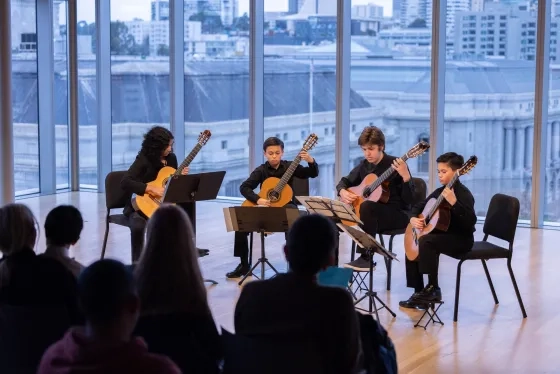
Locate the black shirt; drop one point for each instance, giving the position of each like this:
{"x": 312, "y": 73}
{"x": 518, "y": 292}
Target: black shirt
{"x": 463, "y": 217}
{"x": 139, "y": 174}
{"x": 265, "y": 171}
{"x": 401, "y": 194}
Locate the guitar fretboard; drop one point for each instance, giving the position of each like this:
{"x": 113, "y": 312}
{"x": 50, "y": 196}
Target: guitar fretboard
{"x": 383, "y": 177}
{"x": 440, "y": 198}
{"x": 288, "y": 174}
{"x": 187, "y": 161}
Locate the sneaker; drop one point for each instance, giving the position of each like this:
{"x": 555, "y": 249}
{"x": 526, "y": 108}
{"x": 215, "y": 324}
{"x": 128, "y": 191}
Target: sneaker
{"x": 412, "y": 303}
{"x": 428, "y": 294}
{"x": 362, "y": 263}
{"x": 239, "y": 271}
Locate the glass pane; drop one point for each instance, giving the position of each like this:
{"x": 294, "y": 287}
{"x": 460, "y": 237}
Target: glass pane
{"x": 217, "y": 87}
{"x": 87, "y": 94}
{"x": 139, "y": 74}
{"x": 24, "y": 96}
{"x": 390, "y": 81}
{"x": 489, "y": 98}
{"x": 60, "y": 48}
{"x": 300, "y": 83}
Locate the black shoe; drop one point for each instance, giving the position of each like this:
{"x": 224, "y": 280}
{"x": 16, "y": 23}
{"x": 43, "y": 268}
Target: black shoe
{"x": 239, "y": 271}
{"x": 412, "y": 303}
{"x": 362, "y": 263}
{"x": 203, "y": 252}
{"x": 428, "y": 294}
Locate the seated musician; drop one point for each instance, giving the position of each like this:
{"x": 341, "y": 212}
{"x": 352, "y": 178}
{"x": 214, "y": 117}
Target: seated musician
{"x": 274, "y": 167}
{"x": 156, "y": 152}
{"x": 458, "y": 238}
{"x": 378, "y": 216}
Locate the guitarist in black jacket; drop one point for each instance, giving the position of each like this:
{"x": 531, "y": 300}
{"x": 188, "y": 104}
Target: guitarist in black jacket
{"x": 274, "y": 167}
{"x": 156, "y": 152}
{"x": 458, "y": 238}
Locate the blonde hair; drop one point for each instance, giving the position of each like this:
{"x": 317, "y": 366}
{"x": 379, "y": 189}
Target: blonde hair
{"x": 18, "y": 229}
{"x": 168, "y": 276}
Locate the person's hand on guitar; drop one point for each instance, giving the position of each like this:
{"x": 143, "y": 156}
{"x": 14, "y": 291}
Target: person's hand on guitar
{"x": 400, "y": 166}
{"x": 306, "y": 156}
{"x": 185, "y": 171}
{"x": 347, "y": 197}
{"x": 449, "y": 195}
{"x": 418, "y": 223}
{"x": 155, "y": 191}
{"x": 263, "y": 202}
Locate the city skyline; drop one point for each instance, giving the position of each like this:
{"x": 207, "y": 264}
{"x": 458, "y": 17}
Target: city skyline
{"x": 128, "y": 10}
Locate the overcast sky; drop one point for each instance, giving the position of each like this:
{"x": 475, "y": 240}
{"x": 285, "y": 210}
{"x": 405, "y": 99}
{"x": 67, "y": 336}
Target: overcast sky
{"x": 129, "y": 9}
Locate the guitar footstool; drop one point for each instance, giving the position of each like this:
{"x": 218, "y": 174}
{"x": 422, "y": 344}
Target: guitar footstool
{"x": 431, "y": 311}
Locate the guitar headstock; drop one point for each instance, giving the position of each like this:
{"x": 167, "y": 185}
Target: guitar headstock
{"x": 310, "y": 142}
{"x": 468, "y": 166}
{"x": 418, "y": 149}
{"x": 204, "y": 137}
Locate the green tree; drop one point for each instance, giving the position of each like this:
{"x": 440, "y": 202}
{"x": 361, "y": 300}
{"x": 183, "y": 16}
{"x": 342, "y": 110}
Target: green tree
{"x": 122, "y": 43}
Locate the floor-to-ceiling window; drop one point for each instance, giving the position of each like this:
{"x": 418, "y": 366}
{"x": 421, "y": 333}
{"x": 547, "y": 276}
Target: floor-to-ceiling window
{"x": 25, "y": 96}
{"x": 490, "y": 96}
{"x": 60, "y": 53}
{"x": 140, "y": 81}
{"x": 216, "y": 50}
{"x": 390, "y": 80}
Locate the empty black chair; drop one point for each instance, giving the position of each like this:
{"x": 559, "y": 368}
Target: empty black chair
{"x": 115, "y": 198}
{"x": 420, "y": 193}
{"x": 501, "y": 223}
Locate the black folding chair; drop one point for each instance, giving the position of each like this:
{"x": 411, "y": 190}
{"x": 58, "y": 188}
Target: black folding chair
{"x": 115, "y": 198}
{"x": 420, "y": 193}
{"x": 501, "y": 223}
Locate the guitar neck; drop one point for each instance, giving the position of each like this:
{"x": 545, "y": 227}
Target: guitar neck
{"x": 440, "y": 197}
{"x": 288, "y": 174}
{"x": 187, "y": 161}
{"x": 386, "y": 175}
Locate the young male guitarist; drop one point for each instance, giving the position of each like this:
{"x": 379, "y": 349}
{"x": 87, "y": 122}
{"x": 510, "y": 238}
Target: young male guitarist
{"x": 378, "y": 216}
{"x": 457, "y": 239}
{"x": 273, "y": 167}
{"x": 156, "y": 152}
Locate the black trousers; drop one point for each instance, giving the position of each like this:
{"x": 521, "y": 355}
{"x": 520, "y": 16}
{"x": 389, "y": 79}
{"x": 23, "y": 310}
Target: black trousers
{"x": 378, "y": 217}
{"x": 137, "y": 224}
{"x": 241, "y": 242}
{"x": 430, "y": 247}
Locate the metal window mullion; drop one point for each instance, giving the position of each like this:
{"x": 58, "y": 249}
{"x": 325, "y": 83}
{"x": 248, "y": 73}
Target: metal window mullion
{"x": 256, "y": 83}
{"x": 45, "y": 76}
{"x": 73, "y": 129}
{"x": 343, "y": 62}
{"x": 177, "y": 74}
{"x": 103, "y": 76}
{"x": 6, "y": 120}
{"x": 437, "y": 88}
{"x": 542, "y": 70}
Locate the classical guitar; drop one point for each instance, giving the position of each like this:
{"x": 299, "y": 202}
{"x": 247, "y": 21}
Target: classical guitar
{"x": 374, "y": 188}
{"x": 277, "y": 190}
{"x": 147, "y": 203}
{"x": 435, "y": 214}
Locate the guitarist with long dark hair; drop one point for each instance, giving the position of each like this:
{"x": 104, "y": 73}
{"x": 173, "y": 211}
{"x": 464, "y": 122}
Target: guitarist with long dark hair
{"x": 378, "y": 216}
{"x": 156, "y": 152}
{"x": 458, "y": 203}
{"x": 273, "y": 167}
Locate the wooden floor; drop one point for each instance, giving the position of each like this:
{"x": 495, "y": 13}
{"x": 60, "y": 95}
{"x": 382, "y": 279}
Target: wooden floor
{"x": 486, "y": 339}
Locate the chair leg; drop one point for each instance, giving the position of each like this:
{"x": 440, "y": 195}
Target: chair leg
{"x": 389, "y": 262}
{"x": 516, "y": 289}
{"x": 490, "y": 282}
{"x": 250, "y": 250}
{"x": 105, "y": 238}
{"x": 457, "y": 287}
{"x": 353, "y": 251}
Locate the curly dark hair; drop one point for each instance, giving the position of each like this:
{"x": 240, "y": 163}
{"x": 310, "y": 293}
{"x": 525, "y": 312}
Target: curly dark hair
{"x": 155, "y": 142}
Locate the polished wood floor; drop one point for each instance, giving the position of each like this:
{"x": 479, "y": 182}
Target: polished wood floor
{"x": 486, "y": 339}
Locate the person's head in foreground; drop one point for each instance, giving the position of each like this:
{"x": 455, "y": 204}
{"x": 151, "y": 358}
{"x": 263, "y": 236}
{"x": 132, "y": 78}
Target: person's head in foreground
{"x": 310, "y": 246}
{"x": 109, "y": 301}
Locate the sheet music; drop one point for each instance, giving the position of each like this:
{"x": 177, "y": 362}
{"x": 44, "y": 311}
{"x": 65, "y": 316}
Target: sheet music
{"x": 329, "y": 208}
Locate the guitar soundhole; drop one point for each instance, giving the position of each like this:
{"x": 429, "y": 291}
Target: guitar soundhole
{"x": 366, "y": 192}
{"x": 273, "y": 196}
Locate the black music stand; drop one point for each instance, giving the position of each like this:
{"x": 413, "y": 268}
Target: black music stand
{"x": 262, "y": 220}
{"x": 371, "y": 245}
{"x": 333, "y": 209}
{"x": 191, "y": 188}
